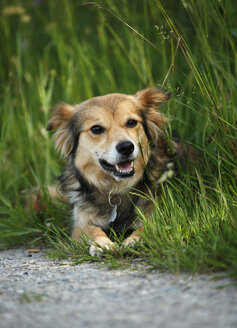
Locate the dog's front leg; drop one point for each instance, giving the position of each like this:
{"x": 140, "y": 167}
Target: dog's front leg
{"x": 85, "y": 228}
{"x": 96, "y": 237}
{"x": 135, "y": 237}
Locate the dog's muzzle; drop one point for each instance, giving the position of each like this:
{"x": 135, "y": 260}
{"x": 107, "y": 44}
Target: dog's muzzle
{"x": 124, "y": 168}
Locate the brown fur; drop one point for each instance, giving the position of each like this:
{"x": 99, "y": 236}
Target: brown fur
{"x": 91, "y": 179}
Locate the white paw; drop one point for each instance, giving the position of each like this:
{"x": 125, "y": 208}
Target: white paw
{"x": 97, "y": 250}
{"x": 130, "y": 242}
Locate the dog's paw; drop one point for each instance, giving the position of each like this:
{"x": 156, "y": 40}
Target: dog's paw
{"x": 130, "y": 242}
{"x": 97, "y": 250}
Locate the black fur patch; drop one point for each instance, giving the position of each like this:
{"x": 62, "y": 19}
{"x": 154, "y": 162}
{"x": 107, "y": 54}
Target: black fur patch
{"x": 145, "y": 127}
{"x": 125, "y": 217}
{"x": 75, "y": 136}
{"x": 175, "y": 136}
{"x": 85, "y": 188}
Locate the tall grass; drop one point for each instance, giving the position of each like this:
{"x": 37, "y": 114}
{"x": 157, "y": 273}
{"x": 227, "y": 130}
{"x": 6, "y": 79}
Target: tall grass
{"x": 67, "y": 51}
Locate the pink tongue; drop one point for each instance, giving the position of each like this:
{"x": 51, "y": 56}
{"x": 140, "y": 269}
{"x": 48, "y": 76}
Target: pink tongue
{"x": 125, "y": 166}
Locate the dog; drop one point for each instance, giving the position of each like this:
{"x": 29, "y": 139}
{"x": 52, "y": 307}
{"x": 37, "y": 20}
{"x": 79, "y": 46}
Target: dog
{"x": 113, "y": 145}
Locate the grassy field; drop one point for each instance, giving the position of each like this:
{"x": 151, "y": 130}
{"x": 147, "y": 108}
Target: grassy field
{"x": 64, "y": 50}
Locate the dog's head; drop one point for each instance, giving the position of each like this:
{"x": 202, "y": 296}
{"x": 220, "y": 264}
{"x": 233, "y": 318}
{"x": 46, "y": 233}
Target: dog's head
{"x": 110, "y": 137}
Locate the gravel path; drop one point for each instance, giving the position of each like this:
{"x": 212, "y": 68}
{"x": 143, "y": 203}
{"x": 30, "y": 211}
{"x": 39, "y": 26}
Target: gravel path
{"x": 37, "y": 292}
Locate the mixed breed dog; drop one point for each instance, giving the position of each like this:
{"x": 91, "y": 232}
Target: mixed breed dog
{"x": 115, "y": 148}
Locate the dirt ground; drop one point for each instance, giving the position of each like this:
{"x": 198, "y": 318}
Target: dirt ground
{"x": 37, "y": 292}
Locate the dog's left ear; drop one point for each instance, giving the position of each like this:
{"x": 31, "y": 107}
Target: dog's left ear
{"x": 149, "y": 99}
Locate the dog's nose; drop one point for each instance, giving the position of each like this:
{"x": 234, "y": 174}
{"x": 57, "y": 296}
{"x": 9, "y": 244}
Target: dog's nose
{"x": 125, "y": 148}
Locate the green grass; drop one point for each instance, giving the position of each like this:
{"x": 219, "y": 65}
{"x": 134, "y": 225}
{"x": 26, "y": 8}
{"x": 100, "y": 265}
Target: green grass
{"x": 63, "y": 50}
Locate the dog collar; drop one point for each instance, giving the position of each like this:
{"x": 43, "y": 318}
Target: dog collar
{"x": 114, "y": 205}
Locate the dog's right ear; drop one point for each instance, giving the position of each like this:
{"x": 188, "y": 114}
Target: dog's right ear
{"x": 61, "y": 118}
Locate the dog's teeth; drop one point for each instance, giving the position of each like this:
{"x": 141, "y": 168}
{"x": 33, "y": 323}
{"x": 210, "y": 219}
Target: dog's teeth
{"x": 118, "y": 169}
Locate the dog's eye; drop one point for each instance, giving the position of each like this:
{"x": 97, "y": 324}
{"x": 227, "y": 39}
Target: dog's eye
{"x": 131, "y": 123}
{"x": 97, "y": 129}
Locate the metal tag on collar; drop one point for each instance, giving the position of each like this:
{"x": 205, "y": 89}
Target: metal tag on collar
{"x": 113, "y": 213}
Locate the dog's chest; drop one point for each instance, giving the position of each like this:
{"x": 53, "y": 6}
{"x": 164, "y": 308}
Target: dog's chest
{"x": 122, "y": 215}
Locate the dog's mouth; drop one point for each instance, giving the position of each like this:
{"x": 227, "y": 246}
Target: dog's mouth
{"x": 123, "y": 169}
